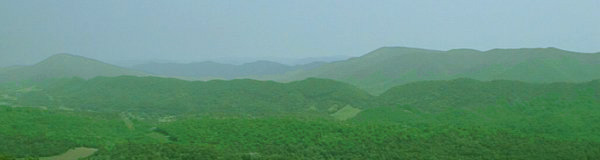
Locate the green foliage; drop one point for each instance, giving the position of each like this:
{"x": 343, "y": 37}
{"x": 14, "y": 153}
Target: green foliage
{"x": 557, "y": 110}
{"x": 272, "y": 138}
{"x": 5, "y": 157}
{"x": 171, "y": 96}
{"x": 32, "y": 132}
{"x": 458, "y": 119}
{"x": 127, "y": 151}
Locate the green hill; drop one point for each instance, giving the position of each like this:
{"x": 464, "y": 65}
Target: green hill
{"x": 387, "y": 67}
{"x": 167, "y": 95}
{"x": 556, "y": 110}
{"x": 61, "y": 66}
{"x": 214, "y": 70}
{"x": 466, "y": 93}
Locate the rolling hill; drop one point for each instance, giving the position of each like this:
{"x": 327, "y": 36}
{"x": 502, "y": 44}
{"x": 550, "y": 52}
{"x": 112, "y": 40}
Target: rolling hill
{"x": 173, "y": 96}
{"x": 387, "y": 67}
{"x": 63, "y": 66}
{"x": 468, "y": 93}
{"x": 565, "y": 110}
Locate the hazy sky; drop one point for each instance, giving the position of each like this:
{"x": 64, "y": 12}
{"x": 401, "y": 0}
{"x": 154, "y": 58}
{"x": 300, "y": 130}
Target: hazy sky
{"x": 195, "y": 30}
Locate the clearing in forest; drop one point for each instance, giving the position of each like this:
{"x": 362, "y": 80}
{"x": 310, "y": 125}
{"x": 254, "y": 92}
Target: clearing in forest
{"x": 346, "y": 113}
{"x": 73, "y": 154}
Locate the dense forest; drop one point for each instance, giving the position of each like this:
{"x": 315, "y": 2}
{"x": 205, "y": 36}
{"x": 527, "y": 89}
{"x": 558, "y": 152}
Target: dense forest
{"x": 172, "y": 96}
{"x": 270, "y": 138}
{"x": 161, "y": 118}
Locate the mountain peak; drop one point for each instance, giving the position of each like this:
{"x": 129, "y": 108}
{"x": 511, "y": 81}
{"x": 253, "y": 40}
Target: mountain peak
{"x": 63, "y": 54}
{"x": 65, "y": 65}
{"x": 396, "y": 51}
{"x": 67, "y": 56}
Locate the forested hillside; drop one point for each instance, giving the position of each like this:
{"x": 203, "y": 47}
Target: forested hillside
{"x": 173, "y": 96}
{"x": 556, "y": 110}
{"x": 388, "y": 67}
{"x": 35, "y": 132}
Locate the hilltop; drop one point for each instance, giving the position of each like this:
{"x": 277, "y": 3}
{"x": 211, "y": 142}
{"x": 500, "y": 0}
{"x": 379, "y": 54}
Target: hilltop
{"x": 63, "y": 66}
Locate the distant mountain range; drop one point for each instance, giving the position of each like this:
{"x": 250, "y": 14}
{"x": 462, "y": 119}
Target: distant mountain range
{"x": 374, "y": 72}
{"x": 387, "y": 67}
{"x": 67, "y": 65}
{"x": 214, "y": 70}
{"x": 282, "y": 60}
{"x": 234, "y": 60}
{"x": 64, "y": 65}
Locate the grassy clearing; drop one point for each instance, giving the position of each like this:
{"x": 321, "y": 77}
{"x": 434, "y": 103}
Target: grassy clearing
{"x": 159, "y": 137}
{"x": 73, "y": 154}
{"x": 346, "y": 113}
{"x": 127, "y": 121}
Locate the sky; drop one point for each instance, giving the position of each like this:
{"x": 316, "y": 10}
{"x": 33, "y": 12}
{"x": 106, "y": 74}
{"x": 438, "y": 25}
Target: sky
{"x": 196, "y": 30}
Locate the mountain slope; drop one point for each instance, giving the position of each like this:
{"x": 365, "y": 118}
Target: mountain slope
{"x": 64, "y": 65}
{"x": 387, "y": 67}
{"x": 557, "y": 110}
{"x": 468, "y": 93}
{"x": 222, "y": 71}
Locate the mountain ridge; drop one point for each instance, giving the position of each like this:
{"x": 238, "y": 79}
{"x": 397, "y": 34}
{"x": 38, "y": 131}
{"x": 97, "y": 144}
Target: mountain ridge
{"x": 386, "y": 67}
